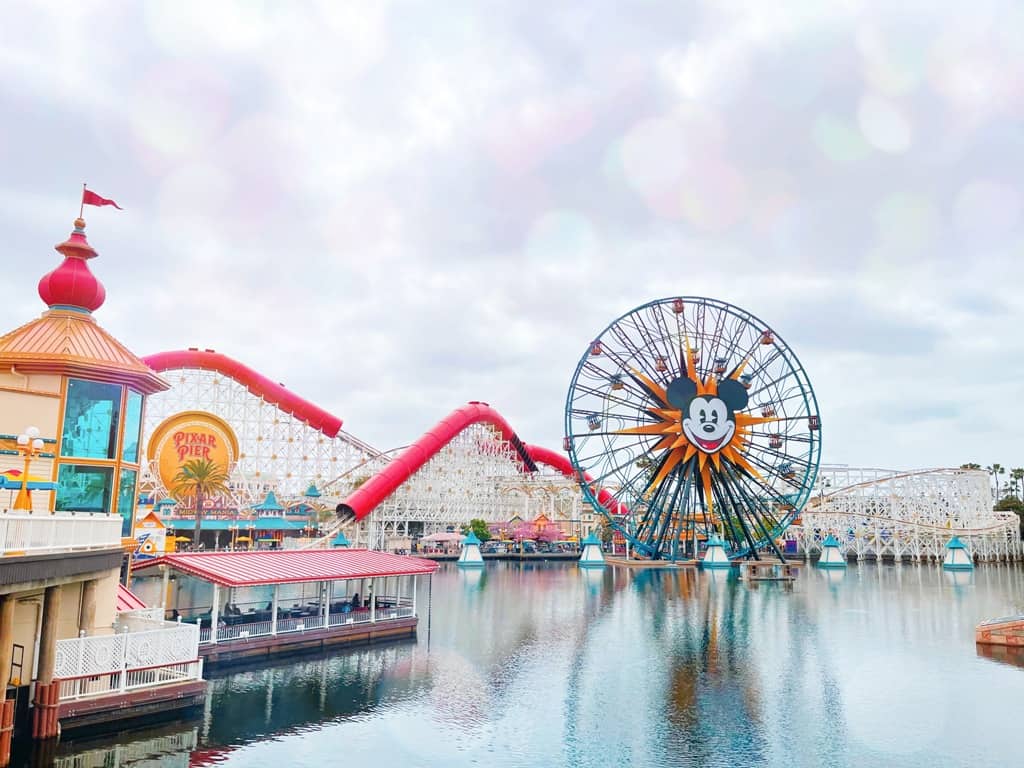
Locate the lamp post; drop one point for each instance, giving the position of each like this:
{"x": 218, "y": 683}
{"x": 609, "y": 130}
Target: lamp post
{"x": 30, "y": 444}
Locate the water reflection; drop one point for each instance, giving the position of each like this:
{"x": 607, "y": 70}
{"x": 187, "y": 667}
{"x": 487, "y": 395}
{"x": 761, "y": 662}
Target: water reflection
{"x": 554, "y": 665}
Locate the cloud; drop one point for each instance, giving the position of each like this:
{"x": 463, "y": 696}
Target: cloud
{"x": 397, "y": 209}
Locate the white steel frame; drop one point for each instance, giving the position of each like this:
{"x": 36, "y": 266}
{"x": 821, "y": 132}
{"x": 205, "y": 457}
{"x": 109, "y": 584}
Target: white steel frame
{"x": 277, "y": 451}
{"x": 879, "y": 513}
{"x": 476, "y": 475}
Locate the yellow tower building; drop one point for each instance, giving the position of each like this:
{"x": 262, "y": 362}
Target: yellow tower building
{"x": 71, "y": 407}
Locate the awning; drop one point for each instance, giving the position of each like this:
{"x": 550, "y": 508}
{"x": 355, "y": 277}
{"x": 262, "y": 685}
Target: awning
{"x": 248, "y": 569}
{"x": 126, "y": 599}
{"x": 439, "y": 538}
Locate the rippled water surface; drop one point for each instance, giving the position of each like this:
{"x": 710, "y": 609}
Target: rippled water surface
{"x": 549, "y": 665}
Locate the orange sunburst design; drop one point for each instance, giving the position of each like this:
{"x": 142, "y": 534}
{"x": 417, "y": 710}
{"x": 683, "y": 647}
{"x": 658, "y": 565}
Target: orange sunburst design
{"x": 674, "y": 439}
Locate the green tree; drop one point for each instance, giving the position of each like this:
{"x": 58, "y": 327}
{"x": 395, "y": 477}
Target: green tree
{"x": 199, "y": 479}
{"x": 970, "y": 466}
{"x": 1017, "y": 476}
{"x": 1012, "y": 504}
{"x": 479, "y": 527}
{"x": 996, "y": 470}
{"x": 606, "y": 532}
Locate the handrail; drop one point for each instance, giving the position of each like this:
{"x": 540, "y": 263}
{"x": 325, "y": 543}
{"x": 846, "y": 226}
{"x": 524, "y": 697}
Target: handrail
{"x": 893, "y": 521}
{"x": 893, "y": 475}
{"x": 25, "y": 533}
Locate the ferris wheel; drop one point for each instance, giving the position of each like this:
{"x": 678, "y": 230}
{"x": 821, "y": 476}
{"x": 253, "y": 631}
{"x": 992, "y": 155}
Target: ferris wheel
{"x": 687, "y": 417}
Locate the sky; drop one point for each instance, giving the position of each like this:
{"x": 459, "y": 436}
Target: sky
{"x": 394, "y": 208}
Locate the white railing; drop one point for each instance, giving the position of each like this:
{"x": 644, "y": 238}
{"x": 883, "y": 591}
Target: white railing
{"x": 242, "y": 631}
{"x": 246, "y": 631}
{"x": 145, "y": 614}
{"x": 32, "y": 534}
{"x": 121, "y": 681}
{"x": 301, "y": 624}
{"x": 126, "y": 651}
{"x": 350, "y": 617}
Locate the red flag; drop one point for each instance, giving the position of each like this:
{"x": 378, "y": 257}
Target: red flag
{"x": 91, "y": 198}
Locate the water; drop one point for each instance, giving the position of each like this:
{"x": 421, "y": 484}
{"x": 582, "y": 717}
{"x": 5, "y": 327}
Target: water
{"x": 554, "y": 666}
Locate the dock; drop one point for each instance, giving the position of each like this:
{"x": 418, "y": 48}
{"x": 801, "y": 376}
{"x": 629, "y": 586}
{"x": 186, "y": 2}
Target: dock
{"x": 1005, "y": 631}
{"x": 769, "y": 570}
{"x": 253, "y": 605}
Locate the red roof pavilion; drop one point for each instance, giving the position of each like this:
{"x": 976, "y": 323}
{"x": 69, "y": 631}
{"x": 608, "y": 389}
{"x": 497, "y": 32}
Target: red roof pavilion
{"x": 251, "y": 569}
{"x": 127, "y": 600}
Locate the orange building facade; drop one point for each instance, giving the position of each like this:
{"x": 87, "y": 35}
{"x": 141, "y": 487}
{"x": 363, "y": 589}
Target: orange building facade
{"x": 72, "y": 399}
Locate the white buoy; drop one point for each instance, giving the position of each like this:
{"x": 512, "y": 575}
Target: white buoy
{"x": 591, "y": 556}
{"x": 715, "y": 556}
{"x": 831, "y": 554}
{"x": 957, "y": 556}
{"x": 470, "y": 556}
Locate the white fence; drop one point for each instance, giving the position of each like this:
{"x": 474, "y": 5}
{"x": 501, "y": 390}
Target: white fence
{"x": 400, "y": 608}
{"x": 94, "y": 666}
{"x": 32, "y": 534}
{"x": 88, "y": 686}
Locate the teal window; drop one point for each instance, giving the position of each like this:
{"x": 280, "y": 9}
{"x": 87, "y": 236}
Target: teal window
{"x": 90, "y": 420}
{"x": 132, "y": 426}
{"x": 84, "y": 489}
{"x": 126, "y": 500}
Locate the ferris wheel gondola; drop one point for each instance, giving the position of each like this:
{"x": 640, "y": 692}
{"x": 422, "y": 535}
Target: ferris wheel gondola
{"x": 689, "y": 416}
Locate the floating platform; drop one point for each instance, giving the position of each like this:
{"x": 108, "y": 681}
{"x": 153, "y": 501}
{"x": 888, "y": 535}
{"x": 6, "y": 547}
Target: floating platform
{"x": 769, "y": 570}
{"x": 91, "y": 713}
{"x": 1008, "y": 630}
{"x": 249, "y": 649}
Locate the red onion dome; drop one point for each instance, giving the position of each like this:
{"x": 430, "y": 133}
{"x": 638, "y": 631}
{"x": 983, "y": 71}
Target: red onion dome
{"x": 72, "y": 284}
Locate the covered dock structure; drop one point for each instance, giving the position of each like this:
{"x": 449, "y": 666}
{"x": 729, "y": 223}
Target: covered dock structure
{"x": 264, "y": 603}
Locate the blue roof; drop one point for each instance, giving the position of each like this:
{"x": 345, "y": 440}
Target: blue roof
{"x": 830, "y": 541}
{"x": 32, "y": 485}
{"x": 340, "y": 541}
{"x": 471, "y": 539}
{"x": 591, "y": 539}
{"x": 955, "y": 543}
{"x": 168, "y": 502}
{"x": 269, "y": 504}
{"x": 715, "y": 541}
{"x": 312, "y": 492}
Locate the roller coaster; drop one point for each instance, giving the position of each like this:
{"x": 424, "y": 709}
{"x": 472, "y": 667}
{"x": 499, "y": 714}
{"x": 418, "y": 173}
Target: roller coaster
{"x": 881, "y": 514}
{"x": 472, "y": 464}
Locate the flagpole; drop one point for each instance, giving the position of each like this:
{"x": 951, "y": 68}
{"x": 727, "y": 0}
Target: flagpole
{"x": 81, "y": 208}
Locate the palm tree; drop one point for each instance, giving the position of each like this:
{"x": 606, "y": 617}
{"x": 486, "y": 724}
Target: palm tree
{"x": 1017, "y": 475}
{"x": 996, "y": 470}
{"x": 199, "y": 478}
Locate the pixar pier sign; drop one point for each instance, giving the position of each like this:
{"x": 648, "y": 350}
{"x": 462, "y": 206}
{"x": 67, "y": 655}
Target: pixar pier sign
{"x": 195, "y": 445}
{"x": 189, "y": 436}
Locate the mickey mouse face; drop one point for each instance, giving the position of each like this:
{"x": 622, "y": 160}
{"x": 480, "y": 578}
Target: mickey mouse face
{"x": 709, "y": 422}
